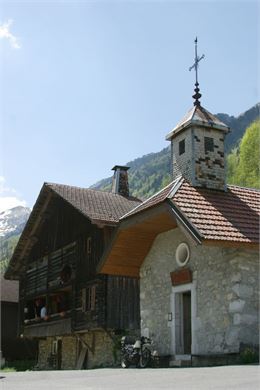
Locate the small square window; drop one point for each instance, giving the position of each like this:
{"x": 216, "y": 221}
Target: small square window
{"x": 182, "y": 147}
{"x": 209, "y": 144}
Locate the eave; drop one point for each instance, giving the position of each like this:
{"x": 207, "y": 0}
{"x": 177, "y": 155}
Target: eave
{"x": 133, "y": 240}
{"x": 173, "y": 133}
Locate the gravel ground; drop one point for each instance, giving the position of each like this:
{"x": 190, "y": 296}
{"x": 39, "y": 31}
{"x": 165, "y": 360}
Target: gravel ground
{"x": 224, "y": 378}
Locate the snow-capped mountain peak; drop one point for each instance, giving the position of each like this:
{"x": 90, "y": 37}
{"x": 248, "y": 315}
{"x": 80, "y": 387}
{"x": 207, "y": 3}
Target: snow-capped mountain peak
{"x": 12, "y": 221}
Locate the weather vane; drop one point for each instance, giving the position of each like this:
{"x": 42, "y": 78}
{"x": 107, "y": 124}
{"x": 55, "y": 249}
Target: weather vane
{"x": 195, "y": 66}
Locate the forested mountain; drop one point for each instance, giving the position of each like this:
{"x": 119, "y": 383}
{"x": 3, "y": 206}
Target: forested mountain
{"x": 150, "y": 173}
{"x": 238, "y": 125}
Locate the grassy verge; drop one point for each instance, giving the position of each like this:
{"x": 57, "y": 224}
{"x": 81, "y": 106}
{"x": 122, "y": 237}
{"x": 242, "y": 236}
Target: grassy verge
{"x": 18, "y": 365}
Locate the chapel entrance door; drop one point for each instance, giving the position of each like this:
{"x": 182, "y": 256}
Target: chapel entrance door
{"x": 182, "y": 323}
{"x": 187, "y": 322}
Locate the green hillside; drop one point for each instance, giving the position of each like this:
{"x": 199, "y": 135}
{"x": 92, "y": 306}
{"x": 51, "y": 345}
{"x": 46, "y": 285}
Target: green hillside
{"x": 7, "y": 246}
{"x": 243, "y": 161}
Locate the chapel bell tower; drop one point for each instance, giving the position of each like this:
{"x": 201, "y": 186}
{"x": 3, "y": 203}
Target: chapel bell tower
{"x": 197, "y": 144}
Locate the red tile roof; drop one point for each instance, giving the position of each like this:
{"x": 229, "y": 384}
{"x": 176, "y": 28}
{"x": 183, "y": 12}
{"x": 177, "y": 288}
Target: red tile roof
{"x": 157, "y": 198}
{"x": 216, "y": 215}
{"x": 95, "y": 204}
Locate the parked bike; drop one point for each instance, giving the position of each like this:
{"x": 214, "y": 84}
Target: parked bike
{"x": 136, "y": 352}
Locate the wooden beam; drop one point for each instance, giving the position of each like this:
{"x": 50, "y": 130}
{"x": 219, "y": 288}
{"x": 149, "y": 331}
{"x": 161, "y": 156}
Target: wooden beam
{"x": 36, "y": 223}
{"x": 121, "y": 270}
{"x": 133, "y": 240}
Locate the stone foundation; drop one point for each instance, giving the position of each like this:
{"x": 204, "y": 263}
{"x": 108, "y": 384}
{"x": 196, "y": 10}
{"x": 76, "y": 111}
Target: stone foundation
{"x": 101, "y": 352}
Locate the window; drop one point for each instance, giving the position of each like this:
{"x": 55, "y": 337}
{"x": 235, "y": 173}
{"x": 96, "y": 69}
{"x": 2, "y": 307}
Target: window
{"x": 54, "y": 347}
{"x": 182, "y": 254}
{"x": 181, "y": 147}
{"x": 88, "y": 245}
{"x": 208, "y": 144}
{"x": 89, "y": 298}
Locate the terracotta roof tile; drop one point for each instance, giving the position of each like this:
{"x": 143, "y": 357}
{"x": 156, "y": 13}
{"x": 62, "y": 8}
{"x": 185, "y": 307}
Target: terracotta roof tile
{"x": 217, "y": 215}
{"x": 157, "y": 198}
{"x": 229, "y": 216}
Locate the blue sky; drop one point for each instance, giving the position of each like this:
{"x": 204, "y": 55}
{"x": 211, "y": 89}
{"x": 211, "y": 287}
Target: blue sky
{"x": 86, "y": 85}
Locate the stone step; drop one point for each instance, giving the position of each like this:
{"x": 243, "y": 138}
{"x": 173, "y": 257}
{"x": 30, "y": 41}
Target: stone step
{"x": 180, "y": 363}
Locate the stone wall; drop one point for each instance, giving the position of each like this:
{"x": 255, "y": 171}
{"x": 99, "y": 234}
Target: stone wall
{"x": 102, "y": 351}
{"x": 209, "y": 166}
{"x": 200, "y": 168}
{"x": 225, "y": 281}
{"x": 69, "y": 353}
{"x": 44, "y": 352}
{"x": 102, "y": 355}
{"x": 182, "y": 164}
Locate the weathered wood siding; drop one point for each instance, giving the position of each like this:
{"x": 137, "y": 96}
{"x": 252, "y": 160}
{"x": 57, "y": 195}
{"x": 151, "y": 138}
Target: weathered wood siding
{"x": 67, "y": 237}
{"x": 95, "y": 318}
{"x": 123, "y": 309}
{"x": 62, "y": 226}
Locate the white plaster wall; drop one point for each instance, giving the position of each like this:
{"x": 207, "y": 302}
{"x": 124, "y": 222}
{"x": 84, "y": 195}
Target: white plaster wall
{"x": 227, "y": 294}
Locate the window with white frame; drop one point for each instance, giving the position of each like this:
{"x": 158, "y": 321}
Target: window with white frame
{"x": 89, "y": 298}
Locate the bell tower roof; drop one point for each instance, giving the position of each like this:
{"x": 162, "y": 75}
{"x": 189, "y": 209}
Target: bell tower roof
{"x": 197, "y": 116}
{"x": 197, "y": 144}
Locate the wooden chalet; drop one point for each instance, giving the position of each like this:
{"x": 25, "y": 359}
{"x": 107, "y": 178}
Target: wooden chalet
{"x": 64, "y": 303}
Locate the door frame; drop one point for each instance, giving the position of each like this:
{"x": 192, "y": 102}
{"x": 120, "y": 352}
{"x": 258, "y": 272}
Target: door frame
{"x": 177, "y": 290}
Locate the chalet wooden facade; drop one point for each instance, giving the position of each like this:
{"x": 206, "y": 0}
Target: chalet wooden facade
{"x": 64, "y": 303}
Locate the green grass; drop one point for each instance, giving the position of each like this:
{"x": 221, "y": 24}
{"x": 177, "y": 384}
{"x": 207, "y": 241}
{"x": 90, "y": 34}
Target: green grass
{"x": 8, "y": 369}
{"x": 19, "y": 365}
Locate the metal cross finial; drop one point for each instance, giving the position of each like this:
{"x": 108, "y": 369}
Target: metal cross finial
{"x": 197, "y": 95}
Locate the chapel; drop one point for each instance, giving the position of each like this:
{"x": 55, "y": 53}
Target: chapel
{"x": 194, "y": 245}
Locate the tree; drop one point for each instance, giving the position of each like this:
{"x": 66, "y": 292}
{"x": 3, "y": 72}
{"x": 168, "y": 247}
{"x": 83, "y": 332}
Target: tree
{"x": 243, "y": 164}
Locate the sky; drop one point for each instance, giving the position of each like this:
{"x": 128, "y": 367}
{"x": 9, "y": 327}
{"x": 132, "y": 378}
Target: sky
{"x": 86, "y": 85}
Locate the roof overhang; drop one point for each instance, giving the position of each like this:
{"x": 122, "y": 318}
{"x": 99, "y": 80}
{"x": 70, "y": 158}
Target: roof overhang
{"x": 29, "y": 235}
{"x": 210, "y": 125}
{"x": 233, "y": 244}
{"x": 133, "y": 239}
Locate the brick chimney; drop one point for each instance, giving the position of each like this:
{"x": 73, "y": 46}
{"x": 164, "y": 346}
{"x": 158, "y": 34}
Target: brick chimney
{"x": 120, "y": 180}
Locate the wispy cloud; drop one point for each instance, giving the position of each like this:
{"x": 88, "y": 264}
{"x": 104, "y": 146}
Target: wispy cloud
{"x": 8, "y": 196}
{"x": 6, "y": 34}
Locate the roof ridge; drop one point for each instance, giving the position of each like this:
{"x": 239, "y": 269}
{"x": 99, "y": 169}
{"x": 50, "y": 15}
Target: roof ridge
{"x": 130, "y": 197}
{"x": 72, "y": 186}
{"x": 178, "y": 182}
{"x": 152, "y": 196}
{"x": 244, "y": 188}
{"x": 193, "y": 110}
